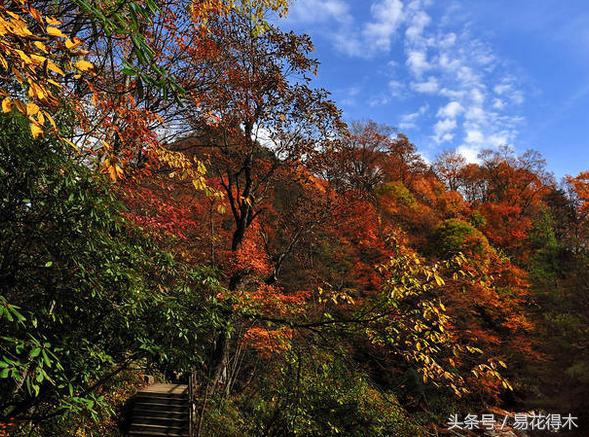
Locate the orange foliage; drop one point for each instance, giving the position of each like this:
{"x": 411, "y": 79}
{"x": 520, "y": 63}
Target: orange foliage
{"x": 267, "y": 342}
{"x": 250, "y": 257}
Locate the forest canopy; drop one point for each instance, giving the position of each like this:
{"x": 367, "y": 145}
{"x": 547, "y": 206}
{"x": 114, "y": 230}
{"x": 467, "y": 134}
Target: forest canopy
{"x": 179, "y": 200}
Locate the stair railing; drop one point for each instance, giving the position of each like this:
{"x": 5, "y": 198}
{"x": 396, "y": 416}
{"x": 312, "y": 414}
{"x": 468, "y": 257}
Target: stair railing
{"x": 192, "y": 392}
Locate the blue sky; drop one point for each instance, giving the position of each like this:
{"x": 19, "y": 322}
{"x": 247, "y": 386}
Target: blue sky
{"x": 460, "y": 74}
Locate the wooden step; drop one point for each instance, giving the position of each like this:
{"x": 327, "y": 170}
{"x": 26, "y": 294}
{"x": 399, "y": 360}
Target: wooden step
{"x": 161, "y": 410}
{"x": 166, "y": 394}
{"x": 156, "y": 433}
{"x": 137, "y": 429}
{"x": 166, "y": 388}
{"x": 153, "y": 410}
{"x": 160, "y": 419}
{"x": 163, "y": 400}
{"x": 154, "y": 406}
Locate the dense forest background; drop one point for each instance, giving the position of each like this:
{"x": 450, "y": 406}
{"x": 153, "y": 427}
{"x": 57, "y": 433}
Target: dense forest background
{"x": 177, "y": 198}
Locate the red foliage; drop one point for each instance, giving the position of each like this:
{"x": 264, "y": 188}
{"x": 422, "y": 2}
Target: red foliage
{"x": 159, "y": 215}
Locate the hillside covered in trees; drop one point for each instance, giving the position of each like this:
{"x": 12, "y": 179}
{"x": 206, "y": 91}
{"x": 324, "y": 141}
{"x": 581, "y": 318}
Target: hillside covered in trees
{"x": 178, "y": 199}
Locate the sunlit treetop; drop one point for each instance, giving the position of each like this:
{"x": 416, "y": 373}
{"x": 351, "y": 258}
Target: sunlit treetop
{"x": 35, "y": 56}
{"x": 202, "y": 10}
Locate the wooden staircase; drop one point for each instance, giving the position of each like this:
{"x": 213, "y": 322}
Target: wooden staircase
{"x": 161, "y": 410}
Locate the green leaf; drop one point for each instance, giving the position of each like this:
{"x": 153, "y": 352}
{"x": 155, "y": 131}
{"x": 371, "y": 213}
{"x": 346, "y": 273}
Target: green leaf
{"x": 46, "y": 359}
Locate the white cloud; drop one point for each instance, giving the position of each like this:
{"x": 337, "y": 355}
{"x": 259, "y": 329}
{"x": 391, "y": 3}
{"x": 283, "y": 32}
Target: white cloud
{"x": 443, "y": 130}
{"x": 474, "y": 136}
{"x": 429, "y": 86}
{"x": 477, "y": 96}
{"x": 498, "y": 104}
{"x": 451, "y": 110}
{"x": 387, "y": 15}
{"x": 448, "y": 40}
{"x": 478, "y": 92}
{"x": 348, "y": 96}
{"x": 470, "y": 153}
{"x": 350, "y": 45}
{"x": 418, "y": 24}
{"x": 397, "y": 88}
{"x": 337, "y": 22}
{"x": 507, "y": 90}
{"x": 417, "y": 62}
{"x": 319, "y": 11}
{"x": 408, "y": 121}
{"x": 379, "y": 100}
{"x": 447, "y": 63}
{"x": 501, "y": 88}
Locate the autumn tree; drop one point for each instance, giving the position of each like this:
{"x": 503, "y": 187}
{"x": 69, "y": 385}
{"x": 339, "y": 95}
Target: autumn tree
{"x": 448, "y": 167}
{"x": 357, "y": 160}
{"x": 258, "y": 116}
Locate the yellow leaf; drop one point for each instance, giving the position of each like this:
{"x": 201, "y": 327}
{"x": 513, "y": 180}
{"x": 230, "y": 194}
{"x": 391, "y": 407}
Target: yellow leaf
{"x": 53, "y": 67}
{"x": 36, "y": 130}
{"x": 52, "y": 82}
{"x": 439, "y": 280}
{"x": 24, "y": 56}
{"x": 37, "y": 59}
{"x": 41, "y": 46}
{"x": 20, "y": 28}
{"x": 17, "y": 75}
{"x": 51, "y": 120}
{"x": 69, "y": 44}
{"x": 112, "y": 172}
{"x": 83, "y": 65}
{"x": 54, "y": 31}
{"x": 52, "y": 21}
{"x": 32, "y": 109}
{"x": 37, "y": 91}
{"x": 65, "y": 140}
{"x": 6, "y": 105}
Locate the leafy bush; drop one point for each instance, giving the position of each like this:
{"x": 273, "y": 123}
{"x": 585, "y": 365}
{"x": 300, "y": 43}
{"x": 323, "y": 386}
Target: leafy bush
{"x": 315, "y": 393}
{"x": 84, "y": 293}
{"x": 454, "y": 236}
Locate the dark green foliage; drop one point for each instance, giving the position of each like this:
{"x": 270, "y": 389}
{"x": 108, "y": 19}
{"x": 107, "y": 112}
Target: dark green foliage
{"x": 456, "y": 236}
{"x": 83, "y": 293}
{"x": 559, "y": 276}
{"x": 314, "y": 393}
{"x": 398, "y": 192}
{"x": 544, "y": 263}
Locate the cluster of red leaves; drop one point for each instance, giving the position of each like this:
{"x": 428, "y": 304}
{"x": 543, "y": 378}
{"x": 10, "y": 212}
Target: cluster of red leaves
{"x": 158, "y": 214}
{"x": 580, "y": 185}
{"x": 268, "y": 342}
{"x": 250, "y": 257}
{"x": 128, "y": 141}
{"x": 272, "y": 301}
